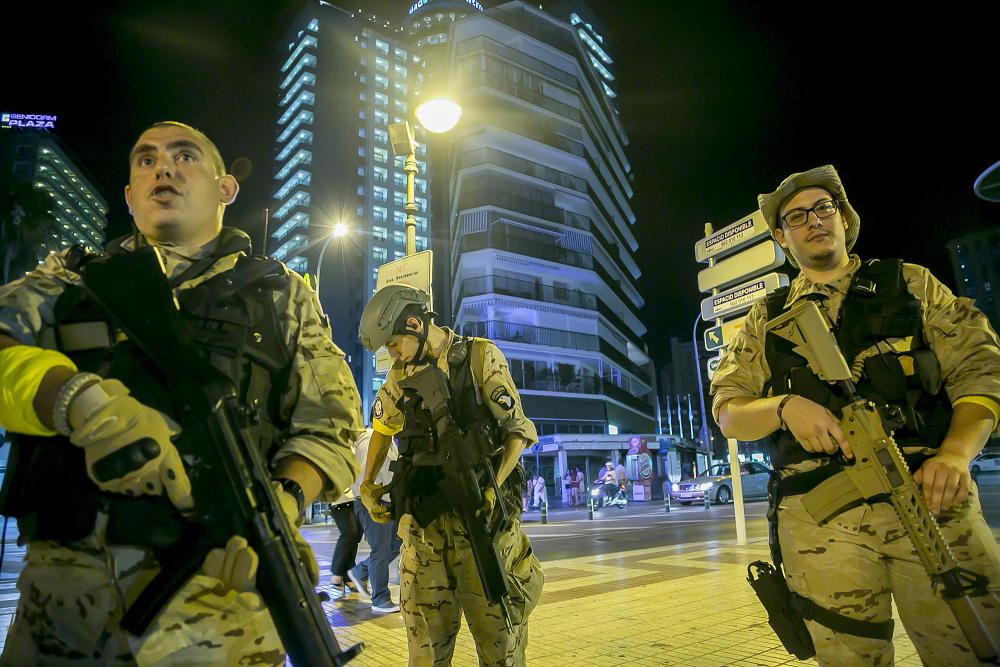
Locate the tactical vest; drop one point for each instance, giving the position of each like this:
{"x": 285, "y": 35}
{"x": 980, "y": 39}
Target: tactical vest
{"x": 877, "y": 307}
{"x": 232, "y": 322}
{"x": 415, "y": 489}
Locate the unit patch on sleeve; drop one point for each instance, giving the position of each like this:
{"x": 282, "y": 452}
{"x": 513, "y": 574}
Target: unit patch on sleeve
{"x": 502, "y": 397}
{"x": 377, "y": 408}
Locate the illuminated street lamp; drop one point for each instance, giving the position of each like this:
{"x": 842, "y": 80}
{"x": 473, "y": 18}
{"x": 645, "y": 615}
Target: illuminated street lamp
{"x": 338, "y": 231}
{"x": 437, "y": 115}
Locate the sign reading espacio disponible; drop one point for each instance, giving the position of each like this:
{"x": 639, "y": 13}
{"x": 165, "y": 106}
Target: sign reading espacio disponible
{"x": 25, "y": 120}
{"x": 420, "y": 3}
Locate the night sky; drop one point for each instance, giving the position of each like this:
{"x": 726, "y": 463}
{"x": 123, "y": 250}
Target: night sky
{"x": 721, "y": 100}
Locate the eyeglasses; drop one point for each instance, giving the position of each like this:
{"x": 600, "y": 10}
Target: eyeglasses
{"x": 822, "y": 209}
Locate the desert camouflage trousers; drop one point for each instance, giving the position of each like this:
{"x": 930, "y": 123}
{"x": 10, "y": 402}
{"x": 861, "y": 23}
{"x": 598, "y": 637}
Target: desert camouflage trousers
{"x": 439, "y": 581}
{"x": 862, "y": 558}
{"x": 72, "y": 601}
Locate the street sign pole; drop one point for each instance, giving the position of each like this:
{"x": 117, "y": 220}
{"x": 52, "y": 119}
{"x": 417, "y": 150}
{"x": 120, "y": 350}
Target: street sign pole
{"x": 752, "y": 259}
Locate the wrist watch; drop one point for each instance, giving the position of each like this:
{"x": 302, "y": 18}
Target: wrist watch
{"x": 292, "y": 487}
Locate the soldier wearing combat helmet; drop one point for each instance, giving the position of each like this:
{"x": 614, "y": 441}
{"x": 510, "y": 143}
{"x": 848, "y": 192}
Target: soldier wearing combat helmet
{"x": 438, "y": 575}
{"x": 924, "y": 356}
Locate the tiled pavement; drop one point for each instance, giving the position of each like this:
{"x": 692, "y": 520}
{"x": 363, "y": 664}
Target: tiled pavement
{"x": 673, "y": 605}
{"x": 686, "y": 605}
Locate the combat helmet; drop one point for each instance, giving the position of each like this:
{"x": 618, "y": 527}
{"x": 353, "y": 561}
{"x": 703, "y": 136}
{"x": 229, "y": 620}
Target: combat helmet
{"x": 383, "y": 318}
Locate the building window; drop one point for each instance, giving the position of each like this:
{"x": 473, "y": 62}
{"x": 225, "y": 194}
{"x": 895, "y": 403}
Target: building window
{"x": 381, "y": 136}
{"x": 381, "y": 47}
{"x": 381, "y": 99}
{"x": 400, "y": 237}
{"x": 379, "y": 174}
{"x": 382, "y": 65}
{"x": 398, "y": 254}
{"x": 400, "y": 55}
{"x": 361, "y": 132}
{"x": 381, "y": 155}
{"x": 380, "y": 234}
{"x": 421, "y": 243}
{"x": 380, "y": 194}
{"x": 379, "y": 255}
{"x": 361, "y": 171}
{"x": 379, "y": 213}
{"x": 381, "y": 118}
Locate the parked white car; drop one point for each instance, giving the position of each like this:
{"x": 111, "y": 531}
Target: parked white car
{"x": 986, "y": 462}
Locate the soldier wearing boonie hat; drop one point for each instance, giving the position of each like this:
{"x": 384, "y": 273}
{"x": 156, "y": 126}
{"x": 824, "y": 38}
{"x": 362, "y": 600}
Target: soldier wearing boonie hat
{"x": 914, "y": 346}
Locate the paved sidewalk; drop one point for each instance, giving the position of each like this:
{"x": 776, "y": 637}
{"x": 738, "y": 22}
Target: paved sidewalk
{"x": 684, "y": 605}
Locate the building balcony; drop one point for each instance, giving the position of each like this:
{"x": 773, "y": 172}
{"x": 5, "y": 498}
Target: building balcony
{"x": 526, "y": 289}
{"x": 523, "y": 93}
{"x": 523, "y": 242}
{"x": 613, "y": 391}
{"x": 609, "y": 350}
{"x": 532, "y": 335}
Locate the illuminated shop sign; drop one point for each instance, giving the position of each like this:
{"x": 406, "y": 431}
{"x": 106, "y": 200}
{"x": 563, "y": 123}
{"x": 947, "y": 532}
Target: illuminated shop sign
{"x": 37, "y": 120}
{"x": 420, "y": 3}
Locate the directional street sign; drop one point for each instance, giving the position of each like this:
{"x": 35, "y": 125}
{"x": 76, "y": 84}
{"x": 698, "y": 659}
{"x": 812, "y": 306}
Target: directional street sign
{"x": 728, "y": 239}
{"x": 756, "y": 259}
{"x": 738, "y": 299}
{"x": 722, "y": 335}
{"x": 713, "y": 365}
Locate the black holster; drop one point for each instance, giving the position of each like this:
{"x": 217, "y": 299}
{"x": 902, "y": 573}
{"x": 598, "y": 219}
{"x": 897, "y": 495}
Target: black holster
{"x": 772, "y": 591}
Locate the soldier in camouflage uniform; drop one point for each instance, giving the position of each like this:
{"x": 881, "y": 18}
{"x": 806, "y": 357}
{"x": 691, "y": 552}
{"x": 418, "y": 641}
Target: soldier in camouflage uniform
{"x": 914, "y": 346}
{"x": 438, "y": 576}
{"x": 89, "y": 553}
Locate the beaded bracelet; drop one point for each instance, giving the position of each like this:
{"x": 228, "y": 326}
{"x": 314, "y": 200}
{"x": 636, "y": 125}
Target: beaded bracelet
{"x": 781, "y": 406}
{"x": 69, "y": 391}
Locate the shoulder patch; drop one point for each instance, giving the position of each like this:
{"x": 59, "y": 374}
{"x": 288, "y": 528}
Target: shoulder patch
{"x": 502, "y": 397}
{"x": 377, "y": 408}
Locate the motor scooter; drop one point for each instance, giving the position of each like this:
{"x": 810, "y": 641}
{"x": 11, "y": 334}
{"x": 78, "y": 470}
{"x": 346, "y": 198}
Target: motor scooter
{"x": 601, "y": 500}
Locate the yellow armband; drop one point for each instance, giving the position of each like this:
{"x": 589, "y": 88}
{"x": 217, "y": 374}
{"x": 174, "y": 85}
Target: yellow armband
{"x": 22, "y": 368}
{"x": 384, "y": 429}
{"x": 985, "y": 401}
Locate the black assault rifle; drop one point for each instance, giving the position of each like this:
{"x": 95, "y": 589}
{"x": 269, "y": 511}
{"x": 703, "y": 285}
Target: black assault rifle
{"x": 879, "y": 472}
{"x": 465, "y": 459}
{"x": 230, "y": 482}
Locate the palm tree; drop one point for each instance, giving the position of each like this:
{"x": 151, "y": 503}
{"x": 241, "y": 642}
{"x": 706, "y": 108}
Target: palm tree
{"x": 26, "y": 226}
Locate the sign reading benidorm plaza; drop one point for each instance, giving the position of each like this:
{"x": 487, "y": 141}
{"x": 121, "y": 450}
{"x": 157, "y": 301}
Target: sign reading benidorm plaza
{"x": 26, "y": 120}
{"x": 420, "y": 3}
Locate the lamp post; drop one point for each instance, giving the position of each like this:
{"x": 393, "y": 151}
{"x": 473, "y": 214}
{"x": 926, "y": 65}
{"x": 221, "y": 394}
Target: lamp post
{"x": 701, "y": 392}
{"x": 339, "y": 230}
{"x": 436, "y": 115}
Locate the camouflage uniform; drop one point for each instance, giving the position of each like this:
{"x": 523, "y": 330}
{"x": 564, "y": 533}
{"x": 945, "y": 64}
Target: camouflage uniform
{"x": 438, "y": 576}
{"x": 866, "y": 545}
{"x": 73, "y": 595}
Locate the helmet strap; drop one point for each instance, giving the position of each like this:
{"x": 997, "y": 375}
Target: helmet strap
{"x": 422, "y": 337}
